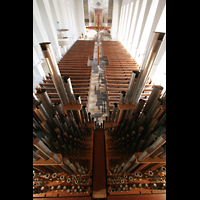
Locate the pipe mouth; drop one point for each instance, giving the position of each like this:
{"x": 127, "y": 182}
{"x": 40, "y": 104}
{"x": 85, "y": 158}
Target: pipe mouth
{"x": 56, "y": 103}
{"x": 158, "y": 86}
{"x": 41, "y": 91}
{"x": 47, "y": 176}
{"x": 54, "y": 175}
{"x": 150, "y": 173}
{"x": 130, "y": 178}
{"x": 140, "y": 175}
{"x": 161, "y": 36}
{"x": 136, "y": 73}
{"x": 136, "y": 174}
{"x": 43, "y": 45}
{"x": 163, "y": 169}
{"x": 65, "y": 78}
{"x": 77, "y": 96}
{"x": 124, "y": 93}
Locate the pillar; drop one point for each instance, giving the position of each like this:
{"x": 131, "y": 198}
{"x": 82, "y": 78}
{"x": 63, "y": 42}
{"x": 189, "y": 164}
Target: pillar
{"x": 115, "y": 18}
{"x": 121, "y": 22}
{"x": 80, "y": 16}
{"x": 147, "y": 29}
{"x": 150, "y": 26}
{"x": 136, "y": 11}
{"x": 138, "y": 29}
{"x": 38, "y": 25}
{"x": 47, "y": 18}
{"x": 127, "y": 8}
{"x": 38, "y": 72}
{"x": 128, "y": 23}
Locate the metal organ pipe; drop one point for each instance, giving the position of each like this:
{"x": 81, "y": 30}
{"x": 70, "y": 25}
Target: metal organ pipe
{"x": 41, "y": 146}
{"x": 136, "y": 132}
{"x": 44, "y": 97}
{"x": 54, "y": 157}
{"x": 134, "y": 77}
{"x": 114, "y": 112}
{"x": 122, "y": 97}
{"x": 149, "y": 58}
{"x": 155, "y": 94}
{"x": 69, "y": 90}
{"x": 54, "y": 70}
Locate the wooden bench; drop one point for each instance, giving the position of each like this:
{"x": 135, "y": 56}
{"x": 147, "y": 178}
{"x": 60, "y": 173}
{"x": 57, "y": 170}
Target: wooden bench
{"x": 74, "y": 64}
{"x": 119, "y": 70}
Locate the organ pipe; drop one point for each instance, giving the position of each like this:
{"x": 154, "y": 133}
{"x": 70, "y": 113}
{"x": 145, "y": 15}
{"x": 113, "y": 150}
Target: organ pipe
{"x": 47, "y": 51}
{"x": 149, "y": 58}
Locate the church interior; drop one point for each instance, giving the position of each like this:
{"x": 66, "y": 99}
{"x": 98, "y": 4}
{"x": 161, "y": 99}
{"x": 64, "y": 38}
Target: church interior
{"x": 99, "y": 99}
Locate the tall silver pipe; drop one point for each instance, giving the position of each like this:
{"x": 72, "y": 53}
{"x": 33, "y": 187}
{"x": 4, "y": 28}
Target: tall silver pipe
{"x": 155, "y": 94}
{"x": 54, "y": 70}
{"x": 114, "y": 112}
{"x": 139, "y": 108}
{"x": 41, "y": 146}
{"x": 145, "y": 154}
{"x": 122, "y": 97}
{"x": 59, "y": 109}
{"x": 46, "y": 115}
{"x": 41, "y": 155}
{"x": 116, "y": 115}
{"x": 66, "y": 168}
{"x": 157, "y": 152}
{"x": 68, "y": 163}
{"x": 54, "y": 157}
{"x": 163, "y": 154}
{"x": 35, "y": 156}
{"x": 89, "y": 116}
{"x": 109, "y": 116}
{"x": 85, "y": 113}
{"x": 158, "y": 143}
{"x": 44, "y": 97}
{"x": 78, "y": 99}
{"x": 132, "y": 82}
{"x": 150, "y": 56}
{"x": 126, "y": 166}
{"x": 69, "y": 90}
{"x": 35, "y": 100}
{"x": 135, "y": 164}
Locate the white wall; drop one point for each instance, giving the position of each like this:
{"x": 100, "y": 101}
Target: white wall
{"x": 115, "y": 18}
{"x": 147, "y": 16}
{"x": 46, "y": 13}
{"x": 80, "y": 17}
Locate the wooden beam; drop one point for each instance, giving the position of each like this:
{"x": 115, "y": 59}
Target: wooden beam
{"x": 99, "y": 168}
{"x": 138, "y": 197}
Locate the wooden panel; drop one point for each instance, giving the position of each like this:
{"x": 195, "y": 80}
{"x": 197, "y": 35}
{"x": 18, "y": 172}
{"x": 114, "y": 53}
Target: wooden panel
{"x": 139, "y": 197}
{"x": 41, "y": 162}
{"x": 53, "y": 196}
{"x": 99, "y": 167}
